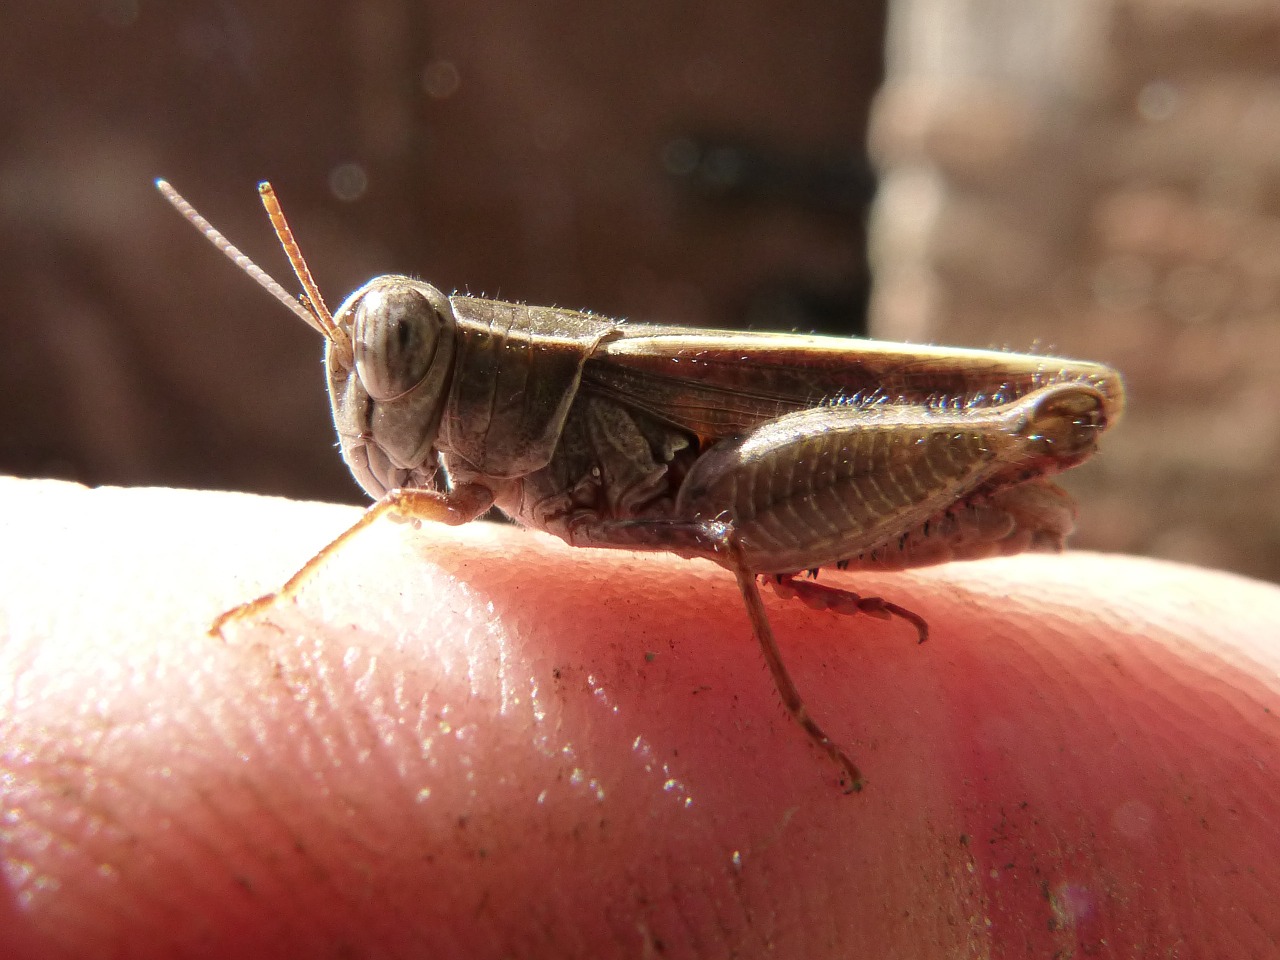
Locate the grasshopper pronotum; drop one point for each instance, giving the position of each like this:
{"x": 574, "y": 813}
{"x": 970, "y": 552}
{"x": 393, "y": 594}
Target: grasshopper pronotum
{"x": 769, "y": 454}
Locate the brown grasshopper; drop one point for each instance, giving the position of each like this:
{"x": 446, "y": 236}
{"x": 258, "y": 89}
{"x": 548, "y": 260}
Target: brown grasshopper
{"x": 768, "y": 454}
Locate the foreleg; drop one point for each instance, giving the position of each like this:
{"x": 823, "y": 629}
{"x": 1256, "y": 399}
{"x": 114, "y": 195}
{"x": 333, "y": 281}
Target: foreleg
{"x": 458, "y": 506}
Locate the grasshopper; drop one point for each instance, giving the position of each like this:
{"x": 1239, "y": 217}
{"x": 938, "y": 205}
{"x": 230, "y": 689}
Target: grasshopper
{"x": 769, "y": 454}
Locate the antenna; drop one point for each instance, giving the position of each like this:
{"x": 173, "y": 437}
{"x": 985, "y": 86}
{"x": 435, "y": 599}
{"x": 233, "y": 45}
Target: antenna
{"x": 300, "y": 268}
{"x": 311, "y": 309}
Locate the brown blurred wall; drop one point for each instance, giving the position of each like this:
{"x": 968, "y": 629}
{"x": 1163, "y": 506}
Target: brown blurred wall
{"x": 1098, "y": 178}
{"x": 1103, "y": 177}
{"x": 699, "y": 163}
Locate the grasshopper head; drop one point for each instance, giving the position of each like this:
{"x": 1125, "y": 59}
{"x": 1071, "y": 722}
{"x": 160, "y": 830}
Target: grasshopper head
{"x": 389, "y": 357}
{"x": 389, "y": 372}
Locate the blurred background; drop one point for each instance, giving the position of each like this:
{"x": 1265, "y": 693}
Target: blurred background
{"x": 1099, "y": 179}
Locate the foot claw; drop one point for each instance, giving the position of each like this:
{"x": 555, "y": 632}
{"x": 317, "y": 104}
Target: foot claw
{"x": 240, "y": 612}
{"x": 850, "y": 776}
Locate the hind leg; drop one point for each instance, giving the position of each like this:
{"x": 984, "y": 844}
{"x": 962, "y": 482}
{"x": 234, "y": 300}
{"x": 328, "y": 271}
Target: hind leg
{"x": 819, "y": 596}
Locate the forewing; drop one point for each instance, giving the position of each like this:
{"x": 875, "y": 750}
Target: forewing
{"x": 718, "y": 383}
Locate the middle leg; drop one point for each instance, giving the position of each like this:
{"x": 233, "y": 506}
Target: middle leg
{"x": 717, "y": 540}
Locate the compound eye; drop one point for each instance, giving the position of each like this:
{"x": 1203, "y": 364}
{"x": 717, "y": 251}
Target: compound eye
{"x": 397, "y": 331}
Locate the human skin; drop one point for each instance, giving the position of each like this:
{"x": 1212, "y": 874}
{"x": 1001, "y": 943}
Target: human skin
{"x": 479, "y": 742}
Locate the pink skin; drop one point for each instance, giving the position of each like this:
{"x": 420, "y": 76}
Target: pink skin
{"x": 482, "y": 743}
